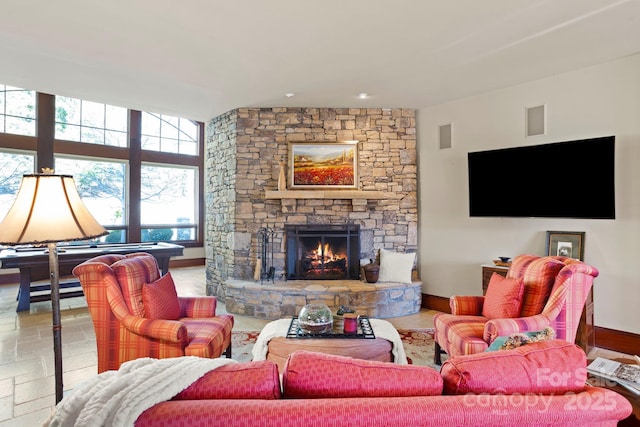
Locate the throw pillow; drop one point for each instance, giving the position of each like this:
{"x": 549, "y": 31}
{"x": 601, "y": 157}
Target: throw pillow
{"x": 503, "y": 298}
{"x": 395, "y": 266}
{"x": 545, "y": 367}
{"x": 249, "y": 380}
{"x": 309, "y": 374}
{"x": 516, "y": 340}
{"x": 160, "y": 299}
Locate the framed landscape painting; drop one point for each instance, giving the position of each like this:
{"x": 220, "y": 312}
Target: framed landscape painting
{"x": 323, "y": 164}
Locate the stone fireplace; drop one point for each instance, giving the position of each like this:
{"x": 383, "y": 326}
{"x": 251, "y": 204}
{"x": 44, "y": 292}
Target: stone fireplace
{"x": 244, "y": 148}
{"x": 322, "y": 252}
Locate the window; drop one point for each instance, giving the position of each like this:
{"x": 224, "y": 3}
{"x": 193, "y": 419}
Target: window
{"x": 91, "y": 122}
{"x": 17, "y": 111}
{"x": 137, "y": 194}
{"x": 168, "y": 203}
{"x": 14, "y": 165}
{"x": 169, "y": 134}
{"x": 102, "y": 188}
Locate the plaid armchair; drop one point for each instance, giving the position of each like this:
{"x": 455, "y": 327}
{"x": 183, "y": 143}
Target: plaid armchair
{"x": 558, "y": 285}
{"x": 112, "y": 285}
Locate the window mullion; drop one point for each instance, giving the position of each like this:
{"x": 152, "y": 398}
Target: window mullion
{"x": 45, "y": 122}
{"x": 135, "y": 165}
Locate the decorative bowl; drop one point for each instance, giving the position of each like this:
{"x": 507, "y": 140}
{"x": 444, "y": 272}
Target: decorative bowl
{"x": 504, "y": 258}
{"x": 315, "y": 319}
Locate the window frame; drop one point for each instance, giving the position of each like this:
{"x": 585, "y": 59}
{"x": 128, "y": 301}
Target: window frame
{"x": 3, "y": 111}
{"x": 83, "y": 127}
{"x": 45, "y": 147}
{"x": 197, "y": 191}
{"x": 166, "y": 140}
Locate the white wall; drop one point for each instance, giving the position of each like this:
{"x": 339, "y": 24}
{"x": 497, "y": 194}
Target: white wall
{"x": 591, "y": 102}
{"x": 190, "y": 253}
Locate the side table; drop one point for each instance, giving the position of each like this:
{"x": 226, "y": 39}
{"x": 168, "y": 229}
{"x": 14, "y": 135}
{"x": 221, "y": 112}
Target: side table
{"x": 634, "y": 418}
{"x": 487, "y": 272}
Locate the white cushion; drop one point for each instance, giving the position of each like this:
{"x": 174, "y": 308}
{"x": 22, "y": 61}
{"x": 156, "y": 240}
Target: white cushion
{"x": 395, "y": 266}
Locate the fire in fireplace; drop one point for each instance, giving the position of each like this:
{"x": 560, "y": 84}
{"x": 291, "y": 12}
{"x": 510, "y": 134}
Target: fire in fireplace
{"x": 327, "y": 252}
{"x": 324, "y": 262}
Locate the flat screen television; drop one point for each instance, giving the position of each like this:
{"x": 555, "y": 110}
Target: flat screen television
{"x": 572, "y": 179}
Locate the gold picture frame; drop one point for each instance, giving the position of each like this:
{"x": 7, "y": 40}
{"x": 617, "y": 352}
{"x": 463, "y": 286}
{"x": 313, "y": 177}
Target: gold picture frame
{"x": 321, "y": 165}
{"x": 566, "y": 243}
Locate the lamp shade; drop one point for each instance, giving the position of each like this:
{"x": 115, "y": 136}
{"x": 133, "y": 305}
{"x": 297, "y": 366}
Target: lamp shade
{"x": 48, "y": 209}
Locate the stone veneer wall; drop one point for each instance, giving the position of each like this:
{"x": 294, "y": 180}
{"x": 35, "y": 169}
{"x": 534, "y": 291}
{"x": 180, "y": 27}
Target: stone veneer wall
{"x": 244, "y": 147}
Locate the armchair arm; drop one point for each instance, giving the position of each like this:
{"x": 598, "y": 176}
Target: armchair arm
{"x": 161, "y": 329}
{"x": 198, "y": 306}
{"x": 466, "y": 305}
{"x": 503, "y": 327}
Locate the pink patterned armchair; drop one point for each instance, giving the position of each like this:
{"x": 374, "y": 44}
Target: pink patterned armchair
{"x": 554, "y": 293}
{"x": 125, "y": 330}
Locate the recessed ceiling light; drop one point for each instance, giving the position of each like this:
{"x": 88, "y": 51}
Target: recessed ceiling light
{"x": 363, "y": 95}
{"x": 289, "y": 95}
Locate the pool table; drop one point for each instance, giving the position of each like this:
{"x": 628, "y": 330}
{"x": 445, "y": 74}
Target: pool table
{"x": 33, "y": 264}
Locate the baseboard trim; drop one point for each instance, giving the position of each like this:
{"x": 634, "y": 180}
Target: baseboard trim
{"x": 610, "y": 339}
{"x": 433, "y": 302}
{"x": 189, "y": 262}
{"x": 9, "y": 278}
{"x": 620, "y": 341}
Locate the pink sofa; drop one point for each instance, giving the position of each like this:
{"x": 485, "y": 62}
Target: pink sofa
{"x": 540, "y": 384}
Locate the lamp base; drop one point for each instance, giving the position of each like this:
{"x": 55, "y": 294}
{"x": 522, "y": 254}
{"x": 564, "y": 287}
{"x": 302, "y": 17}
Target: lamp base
{"x": 56, "y": 323}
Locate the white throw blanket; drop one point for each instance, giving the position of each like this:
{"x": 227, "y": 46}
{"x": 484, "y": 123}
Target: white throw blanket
{"x": 279, "y": 328}
{"x": 117, "y": 398}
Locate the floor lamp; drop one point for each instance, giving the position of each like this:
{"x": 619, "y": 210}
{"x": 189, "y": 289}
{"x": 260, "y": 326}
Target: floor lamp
{"x": 48, "y": 209}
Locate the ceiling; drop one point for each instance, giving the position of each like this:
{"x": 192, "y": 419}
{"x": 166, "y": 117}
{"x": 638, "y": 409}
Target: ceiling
{"x": 201, "y": 58}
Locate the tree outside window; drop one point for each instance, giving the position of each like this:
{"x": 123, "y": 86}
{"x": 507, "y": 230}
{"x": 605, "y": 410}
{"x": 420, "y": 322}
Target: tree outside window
{"x": 168, "y": 203}
{"x": 102, "y": 188}
{"x": 17, "y": 111}
{"x": 169, "y": 134}
{"x": 91, "y": 122}
{"x": 14, "y": 166}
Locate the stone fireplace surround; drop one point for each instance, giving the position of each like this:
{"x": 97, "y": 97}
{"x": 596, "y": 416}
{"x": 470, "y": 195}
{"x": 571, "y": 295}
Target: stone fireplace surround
{"x": 243, "y": 151}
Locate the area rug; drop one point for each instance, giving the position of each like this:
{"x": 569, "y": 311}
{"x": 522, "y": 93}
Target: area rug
{"x": 417, "y": 343}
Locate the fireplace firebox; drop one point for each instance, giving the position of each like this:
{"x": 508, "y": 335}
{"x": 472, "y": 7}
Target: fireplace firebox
{"x": 323, "y": 252}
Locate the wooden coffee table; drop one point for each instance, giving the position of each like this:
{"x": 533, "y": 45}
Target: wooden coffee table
{"x": 368, "y": 349}
{"x": 276, "y": 347}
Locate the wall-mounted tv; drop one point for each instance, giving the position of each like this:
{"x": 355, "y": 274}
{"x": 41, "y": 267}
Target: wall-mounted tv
{"x": 572, "y": 179}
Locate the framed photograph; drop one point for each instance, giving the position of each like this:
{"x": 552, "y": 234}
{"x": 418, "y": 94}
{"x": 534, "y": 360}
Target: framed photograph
{"x": 323, "y": 164}
{"x": 566, "y": 243}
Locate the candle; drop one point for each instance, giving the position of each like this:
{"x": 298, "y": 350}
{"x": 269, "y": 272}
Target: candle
{"x": 350, "y": 323}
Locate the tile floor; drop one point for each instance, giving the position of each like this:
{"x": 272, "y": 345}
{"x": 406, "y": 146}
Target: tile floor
{"x": 27, "y": 390}
{"x": 27, "y": 386}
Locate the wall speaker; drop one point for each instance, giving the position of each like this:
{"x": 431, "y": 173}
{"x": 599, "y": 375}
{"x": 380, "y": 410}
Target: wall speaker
{"x": 536, "y": 120}
{"x": 445, "y": 136}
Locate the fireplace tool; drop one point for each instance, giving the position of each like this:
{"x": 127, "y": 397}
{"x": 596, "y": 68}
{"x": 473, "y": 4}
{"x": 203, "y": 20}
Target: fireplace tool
{"x": 267, "y": 270}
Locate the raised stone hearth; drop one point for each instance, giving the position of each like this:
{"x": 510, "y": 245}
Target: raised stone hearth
{"x": 282, "y": 299}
